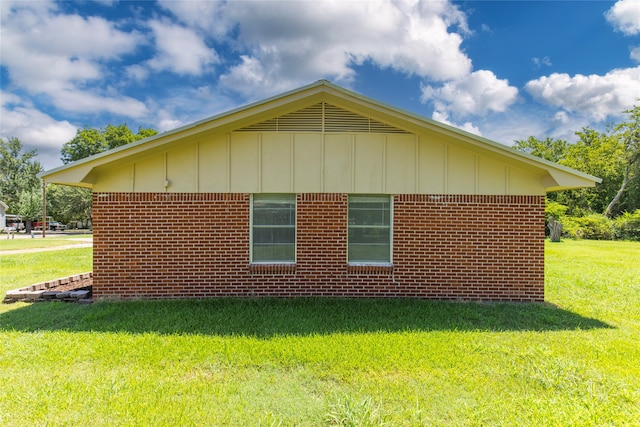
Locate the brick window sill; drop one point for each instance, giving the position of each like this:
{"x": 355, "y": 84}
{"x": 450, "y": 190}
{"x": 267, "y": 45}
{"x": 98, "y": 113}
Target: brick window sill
{"x": 369, "y": 268}
{"x": 272, "y": 268}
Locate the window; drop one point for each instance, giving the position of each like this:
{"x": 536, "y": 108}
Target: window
{"x": 273, "y": 228}
{"x": 369, "y": 235}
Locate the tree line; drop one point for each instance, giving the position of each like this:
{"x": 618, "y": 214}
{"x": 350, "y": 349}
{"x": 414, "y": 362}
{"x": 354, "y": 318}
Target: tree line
{"x": 613, "y": 155}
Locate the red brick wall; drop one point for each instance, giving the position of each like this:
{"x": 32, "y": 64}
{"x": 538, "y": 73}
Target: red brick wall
{"x": 167, "y": 245}
{"x": 470, "y": 247}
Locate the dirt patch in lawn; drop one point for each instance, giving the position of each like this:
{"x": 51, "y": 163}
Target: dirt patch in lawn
{"x": 80, "y": 284}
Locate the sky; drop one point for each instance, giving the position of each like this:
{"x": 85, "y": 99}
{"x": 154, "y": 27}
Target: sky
{"x": 505, "y": 70}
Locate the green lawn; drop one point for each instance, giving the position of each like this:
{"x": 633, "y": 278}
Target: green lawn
{"x": 571, "y": 362}
{"x": 7, "y": 244}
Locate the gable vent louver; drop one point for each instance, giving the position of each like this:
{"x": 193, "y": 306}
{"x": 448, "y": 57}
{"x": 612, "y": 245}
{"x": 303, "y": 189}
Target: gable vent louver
{"x": 322, "y": 117}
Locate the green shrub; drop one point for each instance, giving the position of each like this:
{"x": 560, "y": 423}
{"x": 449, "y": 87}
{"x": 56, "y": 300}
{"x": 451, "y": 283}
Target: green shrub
{"x": 570, "y": 227}
{"x": 554, "y": 209}
{"x": 627, "y": 226}
{"x": 594, "y": 227}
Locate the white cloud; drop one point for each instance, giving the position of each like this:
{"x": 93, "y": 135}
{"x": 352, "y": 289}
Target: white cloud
{"x": 88, "y": 102}
{"x": 75, "y": 36}
{"x": 519, "y": 126}
{"x": 7, "y": 7}
{"x": 209, "y": 16}
{"x": 188, "y": 105}
{"x": 166, "y": 121}
{"x": 525, "y": 120}
{"x": 180, "y": 50}
{"x": 285, "y": 44}
{"x": 625, "y": 16}
{"x": 137, "y": 72}
{"x": 594, "y": 96}
{"x": 49, "y": 53}
{"x": 635, "y": 53}
{"x": 443, "y": 117}
{"x": 34, "y": 129}
{"x": 561, "y": 117}
{"x": 539, "y": 62}
{"x": 477, "y": 93}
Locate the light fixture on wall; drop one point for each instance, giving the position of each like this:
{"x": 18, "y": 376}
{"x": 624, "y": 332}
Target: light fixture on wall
{"x": 167, "y": 183}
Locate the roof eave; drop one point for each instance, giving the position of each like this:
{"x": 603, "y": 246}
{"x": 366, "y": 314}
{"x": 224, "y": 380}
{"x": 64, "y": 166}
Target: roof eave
{"x": 79, "y": 173}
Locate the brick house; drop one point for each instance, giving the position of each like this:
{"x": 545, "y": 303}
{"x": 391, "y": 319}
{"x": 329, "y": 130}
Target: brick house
{"x": 318, "y": 192}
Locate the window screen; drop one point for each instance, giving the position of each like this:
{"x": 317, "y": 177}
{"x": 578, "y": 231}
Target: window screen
{"x": 369, "y": 235}
{"x": 273, "y": 229}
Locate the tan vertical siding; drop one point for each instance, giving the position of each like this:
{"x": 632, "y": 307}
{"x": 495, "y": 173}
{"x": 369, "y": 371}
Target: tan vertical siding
{"x": 245, "y": 162}
{"x": 338, "y": 164}
{"x": 213, "y": 167}
{"x": 308, "y": 154}
{"x": 276, "y": 167}
{"x": 368, "y": 163}
{"x": 278, "y": 162}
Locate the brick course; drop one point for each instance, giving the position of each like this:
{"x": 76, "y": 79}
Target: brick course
{"x": 184, "y": 245}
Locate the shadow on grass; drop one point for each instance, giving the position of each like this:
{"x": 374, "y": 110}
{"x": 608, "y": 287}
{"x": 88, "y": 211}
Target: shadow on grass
{"x": 304, "y": 316}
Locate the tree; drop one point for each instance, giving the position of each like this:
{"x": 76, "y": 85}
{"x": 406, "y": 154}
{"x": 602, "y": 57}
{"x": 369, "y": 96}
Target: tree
{"x": 30, "y": 206}
{"x": 600, "y": 154}
{"x": 87, "y": 142}
{"x": 18, "y": 171}
{"x": 554, "y": 150}
{"x": 145, "y": 133}
{"x": 117, "y": 136}
{"x": 90, "y": 141}
{"x": 66, "y": 203}
{"x": 629, "y": 133}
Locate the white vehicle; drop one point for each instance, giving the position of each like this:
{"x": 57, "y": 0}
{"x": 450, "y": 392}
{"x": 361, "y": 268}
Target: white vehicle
{"x": 56, "y": 226}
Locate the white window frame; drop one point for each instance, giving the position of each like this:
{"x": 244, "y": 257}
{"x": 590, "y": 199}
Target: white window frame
{"x": 275, "y": 196}
{"x": 388, "y": 197}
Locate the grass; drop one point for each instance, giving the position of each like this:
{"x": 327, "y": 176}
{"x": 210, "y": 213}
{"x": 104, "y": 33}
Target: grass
{"x": 7, "y": 244}
{"x": 572, "y": 361}
{"x": 26, "y": 269}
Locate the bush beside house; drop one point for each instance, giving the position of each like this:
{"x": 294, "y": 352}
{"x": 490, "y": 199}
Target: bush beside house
{"x": 595, "y": 226}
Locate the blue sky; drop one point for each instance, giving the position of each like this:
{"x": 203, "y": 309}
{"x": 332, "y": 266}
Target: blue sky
{"x": 505, "y": 70}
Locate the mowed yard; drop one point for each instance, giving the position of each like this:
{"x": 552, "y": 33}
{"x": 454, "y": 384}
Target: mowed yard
{"x": 574, "y": 361}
